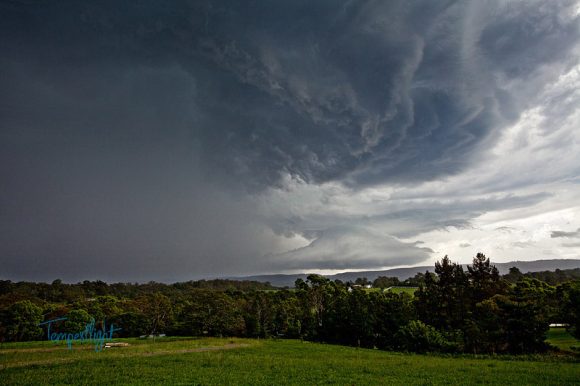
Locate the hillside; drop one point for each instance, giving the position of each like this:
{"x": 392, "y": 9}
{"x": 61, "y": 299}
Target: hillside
{"x": 281, "y": 280}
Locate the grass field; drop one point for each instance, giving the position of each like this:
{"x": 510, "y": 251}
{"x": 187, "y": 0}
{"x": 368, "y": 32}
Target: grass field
{"x": 188, "y": 361}
{"x": 395, "y": 290}
{"x": 407, "y": 290}
{"x": 558, "y": 337}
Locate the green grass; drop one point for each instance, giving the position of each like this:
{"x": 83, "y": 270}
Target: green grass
{"x": 266, "y": 362}
{"x": 560, "y": 338}
{"x": 395, "y": 290}
{"x": 407, "y": 290}
{"x": 369, "y": 290}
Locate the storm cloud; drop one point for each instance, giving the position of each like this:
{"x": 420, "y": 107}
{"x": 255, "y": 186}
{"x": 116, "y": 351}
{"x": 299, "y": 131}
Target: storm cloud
{"x": 556, "y": 234}
{"x": 166, "y": 141}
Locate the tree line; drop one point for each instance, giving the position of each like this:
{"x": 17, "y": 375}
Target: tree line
{"x": 454, "y": 310}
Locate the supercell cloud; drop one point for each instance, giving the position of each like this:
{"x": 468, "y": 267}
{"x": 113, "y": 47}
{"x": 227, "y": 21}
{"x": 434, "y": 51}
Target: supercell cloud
{"x": 169, "y": 141}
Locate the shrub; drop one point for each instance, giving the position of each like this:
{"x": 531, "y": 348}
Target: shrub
{"x": 420, "y": 337}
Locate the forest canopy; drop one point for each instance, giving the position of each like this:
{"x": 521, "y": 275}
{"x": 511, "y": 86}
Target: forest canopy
{"x": 453, "y": 310}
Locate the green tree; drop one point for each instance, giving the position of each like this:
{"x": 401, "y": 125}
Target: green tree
{"x": 317, "y": 294}
{"x": 132, "y": 324}
{"x": 485, "y": 279}
{"x": 104, "y": 307}
{"x": 443, "y": 301}
{"x": 360, "y": 319}
{"x": 22, "y": 321}
{"x": 386, "y": 282}
{"x": 389, "y": 312}
{"x": 213, "y": 313}
{"x": 157, "y": 310}
{"x": 362, "y": 281}
{"x": 569, "y": 296}
{"x": 514, "y": 275}
{"x": 259, "y": 315}
{"x": 76, "y": 321}
{"x": 514, "y": 322}
{"x": 288, "y": 315}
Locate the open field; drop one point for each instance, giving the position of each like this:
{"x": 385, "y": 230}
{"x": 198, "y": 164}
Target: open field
{"x": 407, "y": 290}
{"x": 558, "y": 337}
{"x": 396, "y": 290}
{"x": 265, "y": 362}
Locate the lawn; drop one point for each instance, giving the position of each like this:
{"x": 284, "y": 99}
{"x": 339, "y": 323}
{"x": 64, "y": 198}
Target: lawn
{"x": 560, "y": 338}
{"x": 212, "y": 361}
{"x": 407, "y": 290}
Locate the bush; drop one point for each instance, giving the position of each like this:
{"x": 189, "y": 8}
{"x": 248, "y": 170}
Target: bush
{"x": 420, "y": 337}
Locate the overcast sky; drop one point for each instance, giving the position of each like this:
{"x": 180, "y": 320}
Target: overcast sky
{"x": 171, "y": 140}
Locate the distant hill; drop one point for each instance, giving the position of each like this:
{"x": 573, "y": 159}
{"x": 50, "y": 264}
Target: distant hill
{"x": 282, "y": 280}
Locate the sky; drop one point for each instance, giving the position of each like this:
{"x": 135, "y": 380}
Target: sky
{"x": 178, "y": 140}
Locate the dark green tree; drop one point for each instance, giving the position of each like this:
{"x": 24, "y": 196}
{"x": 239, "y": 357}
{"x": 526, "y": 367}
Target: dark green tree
{"x": 443, "y": 301}
{"x": 386, "y": 282}
{"x": 76, "y": 321}
{"x": 21, "y": 321}
{"x": 569, "y": 297}
{"x": 157, "y": 310}
{"x": 514, "y": 275}
{"x": 484, "y": 278}
{"x": 213, "y": 313}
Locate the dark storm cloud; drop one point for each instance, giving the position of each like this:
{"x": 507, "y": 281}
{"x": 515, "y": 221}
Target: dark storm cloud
{"x": 95, "y": 188}
{"x": 372, "y": 91}
{"x": 136, "y": 134}
{"x": 556, "y": 234}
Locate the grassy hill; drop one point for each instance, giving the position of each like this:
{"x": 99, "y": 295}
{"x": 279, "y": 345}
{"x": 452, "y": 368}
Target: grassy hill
{"x": 265, "y": 362}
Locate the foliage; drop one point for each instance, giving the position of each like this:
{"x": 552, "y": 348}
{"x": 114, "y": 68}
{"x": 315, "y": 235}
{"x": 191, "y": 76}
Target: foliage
{"x": 472, "y": 311}
{"x": 76, "y": 321}
{"x": 569, "y": 296}
{"x": 558, "y": 276}
{"x": 21, "y": 322}
{"x": 482, "y": 312}
{"x": 514, "y": 275}
{"x": 213, "y": 314}
{"x": 419, "y": 337}
{"x": 386, "y": 282}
